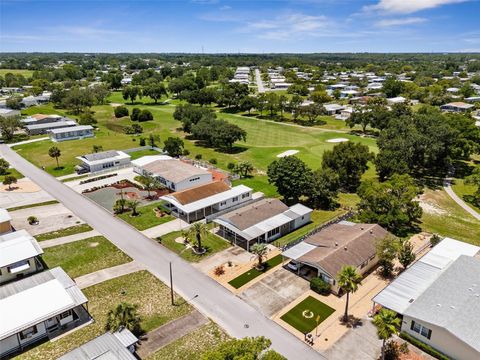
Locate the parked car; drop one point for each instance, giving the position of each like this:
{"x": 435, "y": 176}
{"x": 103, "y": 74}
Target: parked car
{"x": 292, "y": 265}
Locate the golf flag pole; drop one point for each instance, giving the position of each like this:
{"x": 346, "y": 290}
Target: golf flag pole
{"x": 317, "y": 319}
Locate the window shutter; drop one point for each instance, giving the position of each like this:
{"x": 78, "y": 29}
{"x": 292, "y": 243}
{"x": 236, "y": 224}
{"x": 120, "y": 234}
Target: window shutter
{"x": 412, "y": 325}
{"x": 429, "y": 334}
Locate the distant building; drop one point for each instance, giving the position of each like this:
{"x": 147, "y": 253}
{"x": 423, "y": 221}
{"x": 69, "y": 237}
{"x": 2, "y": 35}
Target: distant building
{"x": 37, "y": 129}
{"x": 103, "y": 160}
{"x": 5, "y": 222}
{"x": 9, "y": 112}
{"x": 71, "y": 133}
{"x": 333, "y": 109}
{"x": 457, "y": 107}
{"x": 396, "y": 100}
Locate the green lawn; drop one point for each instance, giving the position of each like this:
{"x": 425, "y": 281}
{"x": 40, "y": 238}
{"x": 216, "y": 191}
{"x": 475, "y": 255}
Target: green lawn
{"x": 303, "y": 316}
{"x": 33, "y": 205}
{"x": 465, "y": 192}
{"x": 12, "y": 172}
{"x": 26, "y": 73}
{"x": 191, "y": 346}
{"x": 138, "y": 154}
{"x": 449, "y": 219}
{"x": 77, "y": 229}
{"x": 142, "y": 288}
{"x": 212, "y": 243}
{"x": 85, "y": 256}
{"x": 258, "y": 183}
{"x": 251, "y": 274}
{"x": 147, "y": 217}
{"x": 318, "y": 217}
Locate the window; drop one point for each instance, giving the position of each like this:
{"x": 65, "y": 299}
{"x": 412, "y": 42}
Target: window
{"x": 420, "y": 329}
{"x": 235, "y": 199}
{"x": 245, "y": 195}
{"x": 223, "y": 203}
{"x": 18, "y": 264}
{"x": 28, "y": 333}
{"x": 65, "y": 314}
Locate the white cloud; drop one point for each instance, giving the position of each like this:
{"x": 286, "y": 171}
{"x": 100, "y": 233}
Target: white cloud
{"x": 400, "y": 21}
{"x": 408, "y": 6}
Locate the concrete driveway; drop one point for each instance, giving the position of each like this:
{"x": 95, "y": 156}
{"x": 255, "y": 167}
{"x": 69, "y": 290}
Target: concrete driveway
{"x": 275, "y": 291}
{"x": 17, "y": 198}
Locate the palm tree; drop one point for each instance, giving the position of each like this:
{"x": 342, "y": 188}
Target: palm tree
{"x": 149, "y": 183}
{"x": 124, "y": 315}
{"x": 261, "y": 251}
{"x": 133, "y": 204}
{"x": 348, "y": 280}
{"x": 198, "y": 231}
{"x": 387, "y": 324}
{"x": 55, "y": 152}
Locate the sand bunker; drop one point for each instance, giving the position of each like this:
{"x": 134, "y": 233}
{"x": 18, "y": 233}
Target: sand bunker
{"x": 337, "y": 140}
{"x": 287, "y": 153}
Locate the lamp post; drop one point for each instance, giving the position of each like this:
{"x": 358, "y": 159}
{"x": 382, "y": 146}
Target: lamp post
{"x": 171, "y": 285}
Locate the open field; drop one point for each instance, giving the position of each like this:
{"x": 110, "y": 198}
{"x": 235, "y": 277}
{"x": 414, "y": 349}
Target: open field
{"x": 251, "y": 274}
{"x": 24, "y": 72}
{"x": 138, "y": 154}
{"x": 142, "y": 288}
{"x": 211, "y": 242}
{"x": 77, "y": 229}
{"x": 303, "y": 316}
{"x": 147, "y": 217}
{"x": 85, "y": 256}
{"x": 191, "y": 346}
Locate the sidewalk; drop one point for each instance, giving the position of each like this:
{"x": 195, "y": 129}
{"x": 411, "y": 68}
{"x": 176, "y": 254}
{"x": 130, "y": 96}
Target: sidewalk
{"x": 165, "y": 228}
{"x": 68, "y": 239}
{"x": 107, "y": 274}
{"x": 28, "y": 141}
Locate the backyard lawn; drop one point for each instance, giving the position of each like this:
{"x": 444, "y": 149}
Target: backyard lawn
{"x": 191, "y": 346}
{"x": 85, "y": 256}
{"x": 303, "y": 317}
{"x": 12, "y": 172}
{"x": 147, "y": 217}
{"x": 142, "y": 288}
{"x": 77, "y": 229}
{"x": 211, "y": 242}
{"x": 251, "y": 274}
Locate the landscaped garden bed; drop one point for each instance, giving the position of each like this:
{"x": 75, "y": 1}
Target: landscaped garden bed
{"x": 251, "y": 274}
{"x": 148, "y": 216}
{"x": 304, "y": 316}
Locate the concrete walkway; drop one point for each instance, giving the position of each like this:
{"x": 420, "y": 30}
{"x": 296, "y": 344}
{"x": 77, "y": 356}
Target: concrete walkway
{"x": 165, "y": 228}
{"x": 169, "y": 332}
{"x": 258, "y": 79}
{"x": 28, "y": 141}
{"x": 107, "y": 274}
{"x": 447, "y": 185}
{"x": 68, "y": 239}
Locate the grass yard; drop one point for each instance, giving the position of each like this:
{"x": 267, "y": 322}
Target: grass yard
{"x": 138, "y": 154}
{"x": 142, "y": 288}
{"x": 303, "y": 316}
{"x": 77, "y": 229}
{"x": 318, "y": 217}
{"x": 191, "y": 346}
{"x": 465, "y": 192}
{"x": 33, "y": 205}
{"x": 212, "y": 243}
{"x": 12, "y": 172}
{"x": 258, "y": 183}
{"x": 147, "y": 217}
{"x": 25, "y": 72}
{"x": 251, "y": 274}
{"x": 85, "y": 256}
{"x": 447, "y": 218}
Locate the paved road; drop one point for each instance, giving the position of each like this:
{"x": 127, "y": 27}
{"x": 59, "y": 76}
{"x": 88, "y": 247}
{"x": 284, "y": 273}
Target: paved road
{"x": 237, "y": 317}
{"x": 448, "y": 188}
{"x": 258, "y": 79}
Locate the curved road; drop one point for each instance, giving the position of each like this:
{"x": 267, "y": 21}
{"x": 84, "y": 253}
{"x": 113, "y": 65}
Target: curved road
{"x": 237, "y": 317}
{"x": 447, "y": 185}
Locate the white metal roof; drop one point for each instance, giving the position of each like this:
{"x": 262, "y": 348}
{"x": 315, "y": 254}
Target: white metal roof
{"x": 144, "y": 160}
{"x": 90, "y": 159}
{"x": 298, "y": 250}
{"x": 17, "y": 246}
{"x": 208, "y": 201}
{"x": 401, "y": 293}
{"x": 72, "y": 128}
{"x": 4, "y": 216}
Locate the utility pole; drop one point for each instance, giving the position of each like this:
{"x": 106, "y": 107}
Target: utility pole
{"x": 171, "y": 285}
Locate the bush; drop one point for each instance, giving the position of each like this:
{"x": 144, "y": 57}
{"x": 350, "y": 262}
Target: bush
{"x": 120, "y": 111}
{"x": 320, "y": 286}
{"x": 86, "y": 118}
{"x": 435, "y": 239}
{"x": 424, "y": 347}
{"x": 198, "y": 157}
{"x": 32, "y": 220}
{"x": 134, "y": 129}
{"x": 142, "y": 142}
{"x": 145, "y": 115}
{"x": 231, "y": 166}
{"x": 186, "y": 152}
{"x": 219, "y": 270}
{"x": 135, "y": 114}
{"x": 213, "y": 161}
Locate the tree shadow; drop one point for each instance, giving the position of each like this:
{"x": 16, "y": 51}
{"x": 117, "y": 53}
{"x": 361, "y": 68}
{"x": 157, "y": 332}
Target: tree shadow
{"x": 463, "y": 169}
{"x": 352, "y": 321}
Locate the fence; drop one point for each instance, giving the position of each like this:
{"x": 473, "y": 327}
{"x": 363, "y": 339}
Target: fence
{"x": 336, "y": 220}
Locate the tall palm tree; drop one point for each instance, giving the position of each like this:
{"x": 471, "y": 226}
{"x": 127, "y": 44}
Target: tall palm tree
{"x": 198, "y": 231}
{"x": 261, "y": 251}
{"x": 387, "y": 324}
{"x": 55, "y": 152}
{"x": 125, "y": 315}
{"x": 348, "y": 280}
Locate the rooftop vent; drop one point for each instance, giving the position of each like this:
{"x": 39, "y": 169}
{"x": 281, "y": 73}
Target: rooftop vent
{"x": 452, "y": 307}
{"x": 371, "y": 231}
{"x": 411, "y": 300}
{"x": 345, "y": 248}
{"x": 336, "y": 243}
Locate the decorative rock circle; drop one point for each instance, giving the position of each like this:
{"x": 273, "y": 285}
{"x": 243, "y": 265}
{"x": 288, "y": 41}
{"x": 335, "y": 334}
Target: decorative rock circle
{"x": 307, "y": 314}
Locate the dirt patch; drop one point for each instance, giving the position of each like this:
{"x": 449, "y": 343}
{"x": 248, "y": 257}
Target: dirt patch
{"x": 429, "y": 206}
{"x": 93, "y": 244}
{"x": 180, "y": 240}
{"x": 115, "y": 104}
{"x": 337, "y": 140}
{"x": 287, "y": 153}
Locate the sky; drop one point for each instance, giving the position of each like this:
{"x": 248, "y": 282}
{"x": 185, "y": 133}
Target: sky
{"x": 240, "y": 26}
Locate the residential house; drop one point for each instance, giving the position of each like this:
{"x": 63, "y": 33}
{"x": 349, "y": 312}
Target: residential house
{"x": 262, "y": 221}
{"x": 200, "y": 201}
{"x": 438, "y": 299}
{"x": 19, "y": 255}
{"x": 174, "y": 174}
{"x": 71, "y": 133}
{"x": 119, "y": 345}
{"x": 324, "y": 253}
{"x": 396, "y": 100}
{"x": 9, "y": 113}
{"x": 5, "y": 222}
{"x": 103, "y": 160}
{"x": 40, "y": 306}
{"x": 37, "y": 129}
{"x": 457, "y": 107}
{"x": 333, "y": 109}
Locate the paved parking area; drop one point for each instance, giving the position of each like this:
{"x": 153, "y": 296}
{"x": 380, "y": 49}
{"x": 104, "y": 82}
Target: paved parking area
{"x": 275, "y": 291}
{"x": 51, "y": 218}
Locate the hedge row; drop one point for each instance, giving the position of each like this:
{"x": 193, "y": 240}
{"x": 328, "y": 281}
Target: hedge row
{"x": 424, "y": 347}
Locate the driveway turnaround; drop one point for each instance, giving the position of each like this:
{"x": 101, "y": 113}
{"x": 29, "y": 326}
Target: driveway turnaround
{"x": 233, "y": 314}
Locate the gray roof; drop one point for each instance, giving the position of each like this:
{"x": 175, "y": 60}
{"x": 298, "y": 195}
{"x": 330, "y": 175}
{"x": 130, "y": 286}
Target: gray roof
{"x": 52, "y": 125}
{"x": 73, "y": 128}
{"x": 107, "y": 346}
{"x": 100, "y": 155}
{"x": 453, "y": 301}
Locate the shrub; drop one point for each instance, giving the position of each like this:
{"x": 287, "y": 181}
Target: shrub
{"x": 231, "y": 166}
{"x": 186, "y": 152}
{"x": 135, "y": 113}
{"x": 435, "y": 239}
{"x": 142, "y": 142}
{"x": 213, "y": 161}
{"x": 424, "y": 347}
{"x": 32, "y": 220}
{"x": 86, "y": 118}
{"x": 120, "y": 111}
{"x": 134, "y": 129}
{"x": 198, "y": 157}
{"x": 320, "y": 286}
{"x": 145, "y": 115}
{"x": 219, "y": 270}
